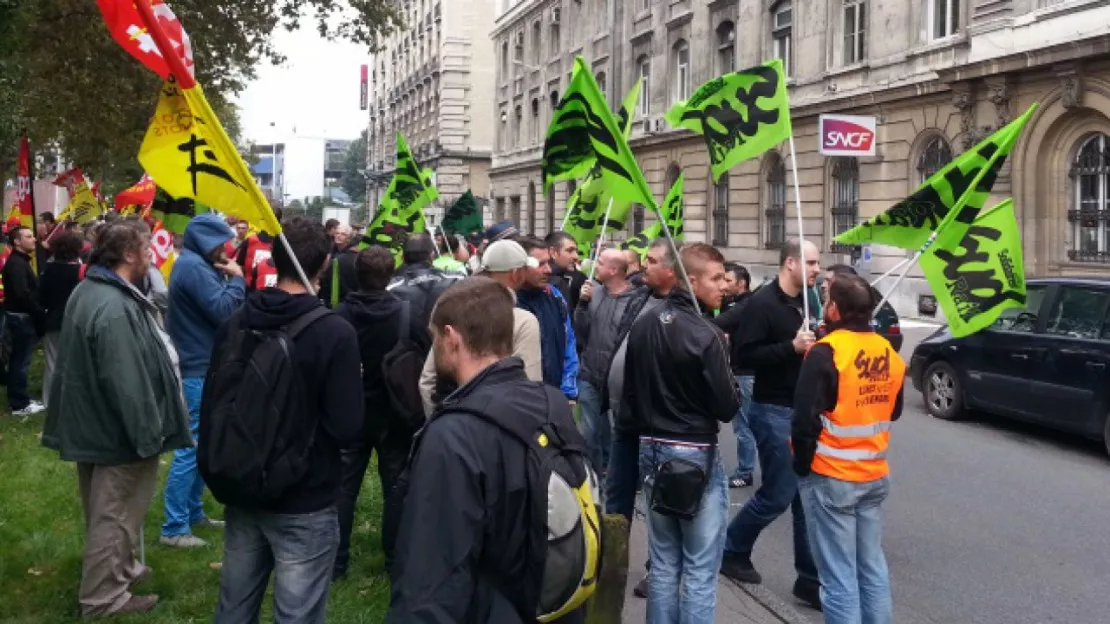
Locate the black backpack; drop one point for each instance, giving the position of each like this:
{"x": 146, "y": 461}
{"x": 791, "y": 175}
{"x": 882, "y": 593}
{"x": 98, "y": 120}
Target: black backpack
{"x": 255, "y": 428}
{"x": 401, "y": 370}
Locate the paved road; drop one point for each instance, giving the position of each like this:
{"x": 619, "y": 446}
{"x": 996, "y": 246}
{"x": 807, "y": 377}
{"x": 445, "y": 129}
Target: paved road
{"x": 988, "y": 522}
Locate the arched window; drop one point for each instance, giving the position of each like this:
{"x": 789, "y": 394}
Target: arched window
{"x": 681, "y": 70}
{"x": 845, "y": 207}
{"x": 726, "y": 48}
{"x": 535, "y": 120}
{"x": 644, "y": 66}
{"x": 550, "y": 210}
{"x": 1090, "y": 212}
{"x": 672, "y": 176}
{"x": 518, "y": 114}
{"x": 933, "y": 158}
{"x": 775, "y": 235}
{"x": 720, "y": 211}
{"x": 532, "y": 207}
{"x": 536, "y": 43}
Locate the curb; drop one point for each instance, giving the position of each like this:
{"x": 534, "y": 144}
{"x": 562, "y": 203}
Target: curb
{"x": 770, "y": 601}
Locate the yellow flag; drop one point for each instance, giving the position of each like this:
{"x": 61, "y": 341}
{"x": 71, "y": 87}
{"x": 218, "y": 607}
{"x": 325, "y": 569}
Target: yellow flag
{"x": 83, "y": 205}
{"x": 189, "y": 153}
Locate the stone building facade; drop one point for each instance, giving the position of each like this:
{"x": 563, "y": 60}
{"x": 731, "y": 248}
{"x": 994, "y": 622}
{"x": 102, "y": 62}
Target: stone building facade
{"x": 433, "y": 83}
{"x": 936, "y": 74}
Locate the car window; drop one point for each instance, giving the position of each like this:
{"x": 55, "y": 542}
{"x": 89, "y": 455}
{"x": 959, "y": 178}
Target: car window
{"x": 1022, "y": 319}
{"x": 1078, "y": 313}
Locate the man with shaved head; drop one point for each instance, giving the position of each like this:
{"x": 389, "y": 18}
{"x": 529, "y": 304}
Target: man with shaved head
{"x": 597, "y": 319}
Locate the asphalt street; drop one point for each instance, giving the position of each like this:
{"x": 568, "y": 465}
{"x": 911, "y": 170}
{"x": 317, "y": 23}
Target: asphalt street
{"x": 988, "y": 521}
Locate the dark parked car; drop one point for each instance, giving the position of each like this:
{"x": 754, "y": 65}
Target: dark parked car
{"x": 1048, "y": 363}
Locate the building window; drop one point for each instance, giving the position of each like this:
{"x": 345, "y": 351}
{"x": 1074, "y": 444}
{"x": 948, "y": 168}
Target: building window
{"x": 553, "y": 43}
{"x": 855, "y": 31}
{"x": 535, "y": 121}
{"x": 1090, "y": 213}
{"x": 781, "y": 21}
{"x": 726, "y": 48}
{"x": 845, "y": 208}
{"x": 944, "y": 15}
{"x": 518, "y": 117}
{"x": 499, "y": 213}
{"x": 720, "y": 212}
{"x": 532, "y": 208}
{"x": 514, "y": 213}
{"x": 505, "y": 61}
{"x": 644, "y": 63}
{"x": 776, "y": 204}
{"x": 645, "y": 5}
{"x": 550, "y": 210}
{"x": 602, "y": 84}
{"x": 503, "y": 135}
{"x": 537, "y": 44}
{"x": 637, "y": 219}
{"x": 681, "y": 71}
{"x": 933, "y": 158}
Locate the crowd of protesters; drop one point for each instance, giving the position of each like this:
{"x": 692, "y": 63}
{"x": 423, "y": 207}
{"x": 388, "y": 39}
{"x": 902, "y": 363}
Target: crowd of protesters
{"x": 416, "y": 363}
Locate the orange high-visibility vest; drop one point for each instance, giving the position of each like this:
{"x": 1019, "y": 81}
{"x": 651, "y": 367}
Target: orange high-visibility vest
{"x": 855, "y": 434}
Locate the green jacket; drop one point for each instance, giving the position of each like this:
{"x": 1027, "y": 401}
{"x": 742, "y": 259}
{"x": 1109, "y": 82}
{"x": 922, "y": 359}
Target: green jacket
{"x": 116, "y": 395}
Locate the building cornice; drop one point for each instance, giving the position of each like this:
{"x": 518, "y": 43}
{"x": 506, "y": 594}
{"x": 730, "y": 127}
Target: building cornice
{"x": 513, "y": 16}
{"x": 1041, "y": 57}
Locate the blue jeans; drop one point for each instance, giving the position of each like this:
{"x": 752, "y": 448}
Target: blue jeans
{"x": 845, "y": 524}
{"x": 778, "y": 490}
{"x": 184, "y": 486}
{"x": 22, "y": 330}
{"x": 745, "y": 441}
{"x": 685, "y": 555}
{"x": 623, "y": 478}
{"x": 595, "y": 425}
{"x": 298, "y": 548}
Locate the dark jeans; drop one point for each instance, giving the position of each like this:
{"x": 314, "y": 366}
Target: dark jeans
{"x": 623, "y": 479}
{"x": 778, "y": 490}
{"x": 298, "y": 548}
{"x": 392, "y": 457}
{"x": 22, "y": 331}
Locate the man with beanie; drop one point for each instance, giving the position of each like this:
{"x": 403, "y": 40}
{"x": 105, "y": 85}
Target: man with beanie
{"x": 206, "y": 288}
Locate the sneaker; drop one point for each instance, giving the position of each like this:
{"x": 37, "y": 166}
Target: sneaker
{"x": 34, "y": 407}
{"x": 809, "y": 592}
{"x": 641, "y": 588}
{"x": 741, "y": 482}
{"x": 740, "y": 569}
{"x": 138, "y": 604}
{"x": 209, "y": 523}
{"x": 188, "y": 540}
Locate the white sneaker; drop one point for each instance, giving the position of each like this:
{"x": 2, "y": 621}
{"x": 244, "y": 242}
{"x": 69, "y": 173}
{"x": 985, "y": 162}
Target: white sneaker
{"x": 34, "y": 407}
{"x": 187, "y": 540}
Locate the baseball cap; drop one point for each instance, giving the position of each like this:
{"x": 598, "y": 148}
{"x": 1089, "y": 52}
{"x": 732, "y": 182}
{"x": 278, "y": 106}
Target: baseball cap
{"x": 501, "y": 231}
{"x": 506, "y": 255}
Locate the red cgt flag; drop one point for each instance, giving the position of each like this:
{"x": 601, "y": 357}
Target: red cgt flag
{"x": 126, "y": 26}
{"x": 141, "y": 194}
{"x": 23, "y": 212}
{"x": 70, "y": 179}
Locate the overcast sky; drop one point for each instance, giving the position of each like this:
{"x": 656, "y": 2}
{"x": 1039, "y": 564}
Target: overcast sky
{"x": 312, "y": 97}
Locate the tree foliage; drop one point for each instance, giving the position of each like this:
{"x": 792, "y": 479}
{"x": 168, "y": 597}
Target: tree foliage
{"x": 64, "y": 79}
{"x": 354, "y": 167}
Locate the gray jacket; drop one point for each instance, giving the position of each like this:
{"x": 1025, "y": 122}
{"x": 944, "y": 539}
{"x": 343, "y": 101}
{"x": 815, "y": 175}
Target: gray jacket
{"x": 597, "y": 327}
{"x": 616, "y": 370}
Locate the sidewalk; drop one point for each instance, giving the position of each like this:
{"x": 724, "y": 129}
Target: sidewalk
{"x": 736, "y": 604}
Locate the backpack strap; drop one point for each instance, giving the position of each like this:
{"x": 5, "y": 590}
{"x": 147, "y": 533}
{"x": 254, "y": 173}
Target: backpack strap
{"x": 335, "y": 282}
{"x": 302, "y": 323}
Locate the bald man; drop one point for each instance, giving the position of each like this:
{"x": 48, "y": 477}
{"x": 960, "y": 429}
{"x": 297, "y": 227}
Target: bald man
{"x": 597, "y": 325}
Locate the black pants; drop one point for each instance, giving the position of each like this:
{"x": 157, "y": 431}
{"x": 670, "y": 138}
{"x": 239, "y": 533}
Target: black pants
{"x": 393, "y": 452}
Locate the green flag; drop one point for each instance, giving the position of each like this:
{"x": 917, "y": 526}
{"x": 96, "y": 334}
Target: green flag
{"x": 953, "y": 195}
{"x": 401, "y": 211}
{"x": 590, "y": 201}
{"x": 982, "y": 275}
{"x": 673, "y": 211}
{"x": 175, "y": 214}
{"x": 741, "y": 115}
{"x": 584, "y": 132}
{"x": 464, "y": 216}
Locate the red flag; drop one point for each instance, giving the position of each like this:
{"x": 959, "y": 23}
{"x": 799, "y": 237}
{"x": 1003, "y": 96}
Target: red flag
{"x": 23, "y": 212}
{"x": 128, "y": 29}
{"x": 70, "y": 179}
{"x": 141, "y": 194}
{"x": 161, "y": 244}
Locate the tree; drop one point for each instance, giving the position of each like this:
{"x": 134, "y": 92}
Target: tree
{"x": 354, "y": 170}
{"x": 66, "y": 80}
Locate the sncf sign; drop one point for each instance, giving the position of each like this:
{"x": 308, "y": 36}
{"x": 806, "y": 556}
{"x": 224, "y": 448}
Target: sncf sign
{"x": 847, "y": 135}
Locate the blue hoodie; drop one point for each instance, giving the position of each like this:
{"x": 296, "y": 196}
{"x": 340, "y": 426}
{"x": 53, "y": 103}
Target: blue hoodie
{"x": 201, "y": 298}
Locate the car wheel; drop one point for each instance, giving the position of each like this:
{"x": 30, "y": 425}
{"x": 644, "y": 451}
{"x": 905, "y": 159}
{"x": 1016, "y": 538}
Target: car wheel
{"x": 943, "y": 395}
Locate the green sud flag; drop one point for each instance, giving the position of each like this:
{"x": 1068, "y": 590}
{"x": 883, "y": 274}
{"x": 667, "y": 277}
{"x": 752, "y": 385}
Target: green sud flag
{"x": 583, "y": 133}
{"x": 740, "y": 115}
{"x": 175, "y": 214}
{"x": 464, "y": 216}
{"x": 590, "y": 201}
{"x": 673, "y": 212}
{"x": 982, "y": 275}
{"x": 954, "y": 195}
{"x": 401, "y": 211}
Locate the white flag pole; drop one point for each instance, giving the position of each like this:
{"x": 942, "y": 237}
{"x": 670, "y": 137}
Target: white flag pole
{"x": 893, "y": 270}
{"x": 908, "y": 264}
{"x": 600, "y": 240}
{"x": 801, "y": 234}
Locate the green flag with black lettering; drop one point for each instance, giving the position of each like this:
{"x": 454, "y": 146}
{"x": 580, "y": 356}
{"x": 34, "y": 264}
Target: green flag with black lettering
{"x": 464, "y": 216}
{"x": 401, "y": 210}
{"x": 175, "y": 213}
{"x": 945, "y": 204}
{"x": 673, "y": 211}
{"x": 740, "y": 115}
{"x": 590, "y": 201}
{"x": 975, "y": 280}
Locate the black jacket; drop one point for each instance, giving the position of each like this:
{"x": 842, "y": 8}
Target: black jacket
{"x": 677, "y": 381}
{"x": 58, "y": 281}
{"x": 327, "y": 357}
{"x": 460, "y": 552}
{"x": 729, "y": 320}
{"x": 817, "y": 393}
{"x": 764, "y": 344}
{"x": 421, "y": 284}
{"x": 569, "y": 284}
{"x": 376, "y": 317}
{"x": 348, "y": 279}
{"x": 21, "y": 288}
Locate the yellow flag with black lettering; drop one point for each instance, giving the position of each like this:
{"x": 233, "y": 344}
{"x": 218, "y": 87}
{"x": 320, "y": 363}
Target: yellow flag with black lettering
{"x": 188, "y": 151}
{"x": 83, "y": 205}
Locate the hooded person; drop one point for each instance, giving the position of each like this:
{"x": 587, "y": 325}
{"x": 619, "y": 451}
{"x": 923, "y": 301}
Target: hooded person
{"x": 206, "y": 287}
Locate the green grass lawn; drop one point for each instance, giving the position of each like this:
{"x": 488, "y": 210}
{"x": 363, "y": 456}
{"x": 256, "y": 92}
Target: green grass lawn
{"x": 42, "y": 537}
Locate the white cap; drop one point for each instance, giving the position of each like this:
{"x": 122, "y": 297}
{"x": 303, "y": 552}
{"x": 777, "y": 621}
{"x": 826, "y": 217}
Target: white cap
{"x": 506, "y": 255}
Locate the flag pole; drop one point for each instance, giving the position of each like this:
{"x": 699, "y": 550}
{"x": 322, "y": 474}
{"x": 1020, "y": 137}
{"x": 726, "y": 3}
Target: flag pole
{"x": 801, "y": 233}
{"x": 600, "y": 240}
{"x": 893, "y": 270}
{"x": 908, "y": 264}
